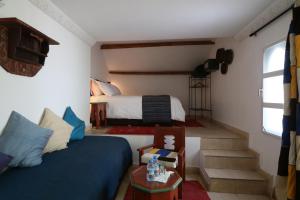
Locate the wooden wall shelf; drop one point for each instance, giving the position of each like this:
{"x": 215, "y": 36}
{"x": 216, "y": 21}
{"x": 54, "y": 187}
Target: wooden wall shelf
{"x": 156, "y": 44}
{"x": 151, "y": 72}
{"x": 23, "y": 49}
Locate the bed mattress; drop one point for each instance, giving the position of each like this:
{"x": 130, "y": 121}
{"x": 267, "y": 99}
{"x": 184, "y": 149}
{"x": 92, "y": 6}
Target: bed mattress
{"x": 130, "y": 107}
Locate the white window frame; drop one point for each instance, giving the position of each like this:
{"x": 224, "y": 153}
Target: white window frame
{"x": 269, "y": 75}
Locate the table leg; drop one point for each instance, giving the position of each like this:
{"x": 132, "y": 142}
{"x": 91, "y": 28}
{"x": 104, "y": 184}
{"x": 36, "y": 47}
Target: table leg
{"x": 180, "y": 191}
{"x": 92, "y": 116}
{"x": 104, "y": 116}
{"x": 140, "y": 195}
{"x": 97, "y": 116}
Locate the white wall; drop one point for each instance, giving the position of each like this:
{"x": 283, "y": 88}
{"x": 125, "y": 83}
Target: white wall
{"x": 64, "y": 79}
{"x": 155, "y": 59}
{"x": 235, "y": 95}
{"x": 98, "y": 67}
{"x": 174, "y": 85}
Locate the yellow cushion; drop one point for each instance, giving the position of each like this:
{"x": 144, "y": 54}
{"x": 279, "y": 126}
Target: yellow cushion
{"x": 61, "y": 131}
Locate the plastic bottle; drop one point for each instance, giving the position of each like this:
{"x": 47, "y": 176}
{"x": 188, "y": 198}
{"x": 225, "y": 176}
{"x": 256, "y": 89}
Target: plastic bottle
{"x": 156, "y": 166}
{"x": 150, "y": 170}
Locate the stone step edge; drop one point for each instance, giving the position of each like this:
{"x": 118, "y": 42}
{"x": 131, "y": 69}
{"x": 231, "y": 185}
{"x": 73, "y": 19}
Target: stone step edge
{"x": 233, "y": 178}
{"x": 241, "y": 157}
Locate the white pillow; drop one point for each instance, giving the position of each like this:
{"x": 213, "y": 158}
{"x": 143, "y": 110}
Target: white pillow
{"x": 109, "y": 89}
{"x": 61, "y": 131}
{"x": 116, "y": 89}
{"x": 95, "y": 88}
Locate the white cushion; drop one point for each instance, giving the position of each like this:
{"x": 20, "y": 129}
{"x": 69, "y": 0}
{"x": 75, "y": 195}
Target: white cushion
{"x": 109, "y": 89}
{"x": 61, "y": 131}
{"x": 95, "y": 88}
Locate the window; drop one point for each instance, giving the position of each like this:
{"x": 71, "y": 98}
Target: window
{"x": 272, "y": 91}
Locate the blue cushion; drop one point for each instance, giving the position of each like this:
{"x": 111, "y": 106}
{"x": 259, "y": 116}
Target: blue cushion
{"x": 24, "y": 141}
{"x": 4, "y": 161}
{"x": 78, "y": 124}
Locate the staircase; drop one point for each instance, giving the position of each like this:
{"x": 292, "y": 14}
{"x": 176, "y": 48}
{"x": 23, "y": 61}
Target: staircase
{"x": 228, "y": 166}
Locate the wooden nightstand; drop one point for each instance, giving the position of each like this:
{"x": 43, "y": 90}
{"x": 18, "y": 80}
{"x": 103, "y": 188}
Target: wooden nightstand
{"x": 98, "y": 114}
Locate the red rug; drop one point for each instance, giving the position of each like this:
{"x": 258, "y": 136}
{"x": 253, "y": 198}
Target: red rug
{"x": 192, "y": 190}
{"x": 148, "y": 130}
{"x": 188, "y": 123}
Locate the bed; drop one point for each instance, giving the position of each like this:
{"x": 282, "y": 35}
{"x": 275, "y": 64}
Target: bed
{"x": 130, "y": 107}
{"x": 90, "y": 169}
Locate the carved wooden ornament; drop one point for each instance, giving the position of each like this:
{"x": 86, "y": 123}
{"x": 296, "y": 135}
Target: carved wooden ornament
{"x": 23, "y": 49}
{"x": 14, "y": 66}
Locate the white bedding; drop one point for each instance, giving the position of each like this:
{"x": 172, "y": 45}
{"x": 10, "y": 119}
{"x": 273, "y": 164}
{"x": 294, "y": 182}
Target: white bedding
{"x": 130, "y": 107}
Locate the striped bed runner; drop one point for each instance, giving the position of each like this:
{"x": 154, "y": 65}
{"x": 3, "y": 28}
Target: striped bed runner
{"x": 157, "y": 109}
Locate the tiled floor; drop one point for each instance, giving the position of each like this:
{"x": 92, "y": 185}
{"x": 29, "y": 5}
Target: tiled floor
{"x": 210, "y": 130}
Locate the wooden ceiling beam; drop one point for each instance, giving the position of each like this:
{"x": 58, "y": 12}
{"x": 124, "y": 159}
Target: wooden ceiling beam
{"x": 156, "y": 44}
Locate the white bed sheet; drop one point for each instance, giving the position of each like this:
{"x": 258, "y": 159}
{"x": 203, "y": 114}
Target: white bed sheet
{"x": 130, "y": 107}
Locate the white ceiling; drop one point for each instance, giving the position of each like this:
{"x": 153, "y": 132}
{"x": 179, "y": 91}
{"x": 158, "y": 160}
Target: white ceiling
{"x": 132, "y": 20}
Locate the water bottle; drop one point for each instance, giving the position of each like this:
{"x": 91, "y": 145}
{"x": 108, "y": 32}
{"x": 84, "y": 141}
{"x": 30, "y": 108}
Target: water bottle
{"x": 150, "y": 170}
{"x": 156, "y": 166}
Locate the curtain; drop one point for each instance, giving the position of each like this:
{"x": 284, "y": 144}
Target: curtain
{"x": 289, "y": 159}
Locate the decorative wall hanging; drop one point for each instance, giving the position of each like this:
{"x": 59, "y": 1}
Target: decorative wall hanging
{"x": 23, "y": 49}
{"x": 224, "y": 68}
{"x": 225, "y": 58}
{"x": 220, "y": 56}
{"x": 228, "y": 56}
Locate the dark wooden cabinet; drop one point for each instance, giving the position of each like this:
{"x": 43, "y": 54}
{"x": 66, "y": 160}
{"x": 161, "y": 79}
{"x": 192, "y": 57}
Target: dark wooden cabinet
{"x": 23, "y": 49}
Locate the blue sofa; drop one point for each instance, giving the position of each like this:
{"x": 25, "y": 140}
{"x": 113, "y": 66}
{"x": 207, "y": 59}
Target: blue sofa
{"x": 89, "y": 169}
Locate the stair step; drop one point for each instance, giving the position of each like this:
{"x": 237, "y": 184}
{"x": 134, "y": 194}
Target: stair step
{"x": 221, "y": 196}
{"x": 229, "y": 153}
{"x": 236, "y": 181}
{"x": 228, "y": 159}
{"x": 217, "y": 134}
{"x": 234, "y": 174}
{"x": 224, "y": 144}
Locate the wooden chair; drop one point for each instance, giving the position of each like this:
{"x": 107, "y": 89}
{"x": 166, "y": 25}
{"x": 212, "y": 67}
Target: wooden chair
{"x": 179, "y": 134}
